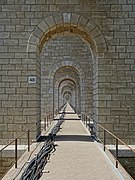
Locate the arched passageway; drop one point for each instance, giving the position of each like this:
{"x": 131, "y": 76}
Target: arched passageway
{"x": 60, "y": 42}
{"x": 40, "y": 37}
{"x": 66, "y": 79}
{"x": 76, "y": 65}
{"x": 67, "y": 92}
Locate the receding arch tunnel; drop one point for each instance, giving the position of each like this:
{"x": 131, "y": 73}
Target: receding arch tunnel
{"x": 69, "y": 48}
{"x": 67, "y": 87}
{"x": 66, "y": 79}
{"x": 66, "y": 63}
{"x": 66, "y": 44}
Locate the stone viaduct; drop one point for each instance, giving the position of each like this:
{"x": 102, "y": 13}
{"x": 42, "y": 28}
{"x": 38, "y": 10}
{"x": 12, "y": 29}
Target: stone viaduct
{"x": 81, "y": 51}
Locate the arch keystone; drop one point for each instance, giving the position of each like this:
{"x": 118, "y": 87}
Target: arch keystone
{"x": 66, "y": 17}
{"x": 67, "y": 63}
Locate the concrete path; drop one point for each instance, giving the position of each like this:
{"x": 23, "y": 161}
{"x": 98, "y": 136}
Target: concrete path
{"x": 77, "y": 157}
{"x": 70, "y": 113}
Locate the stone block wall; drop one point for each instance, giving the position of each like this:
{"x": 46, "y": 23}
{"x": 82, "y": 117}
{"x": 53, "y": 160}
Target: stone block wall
{"x": 111, "y": 26}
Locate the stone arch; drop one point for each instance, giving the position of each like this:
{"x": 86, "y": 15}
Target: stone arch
{"x": 68, "y": 63}
{"x": 68, "y": 23}
{"x": 66, "y": 88}
{"x": 63, "y": 23}
{"x": 79, "y": 83}
{"x": 69, "y": 85}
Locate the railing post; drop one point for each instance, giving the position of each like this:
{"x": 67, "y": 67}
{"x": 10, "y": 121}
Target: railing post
{"x": 104, "y": 139}
{"x": 116, "y": 153}
{"x": 47, "y": 121}
{"x": 15, "y": 153}
{"x": 28, "y": 140}
{"x": 50, "y": 118}
{"x": 89, "y": 123}
{"x": 86, "y": 121}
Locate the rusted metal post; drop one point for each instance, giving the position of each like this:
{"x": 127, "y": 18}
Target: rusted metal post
{"x": 15, "y": 153}
{"x": 104, "y": 139}
{"x": 47, "y": 121}
{"x": 116, "y": 153}
{"x": 28, "y": 140}
{"x": 86, "y": 121}
{"x": 89, "y": 124}
{"x": 50, "y": 118}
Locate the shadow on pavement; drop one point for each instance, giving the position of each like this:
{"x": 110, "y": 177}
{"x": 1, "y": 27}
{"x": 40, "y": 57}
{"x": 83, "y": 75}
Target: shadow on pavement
{"x": 74, "y": 138}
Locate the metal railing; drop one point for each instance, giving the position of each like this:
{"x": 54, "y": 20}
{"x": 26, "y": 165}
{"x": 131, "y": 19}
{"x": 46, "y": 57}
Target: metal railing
{"x": 48, "y": 119}
{"x": 89, "y": 122}
{"x": 15, "y": 142}
{"x": 117, "y": 142}
{"x": 47, "y": 123}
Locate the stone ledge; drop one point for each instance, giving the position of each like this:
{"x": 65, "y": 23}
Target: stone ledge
{"x": 123, "y": 150}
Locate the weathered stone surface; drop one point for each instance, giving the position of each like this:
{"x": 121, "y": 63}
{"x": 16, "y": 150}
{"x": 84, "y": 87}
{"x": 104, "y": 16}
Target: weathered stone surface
{"x": 94, "y": 38}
